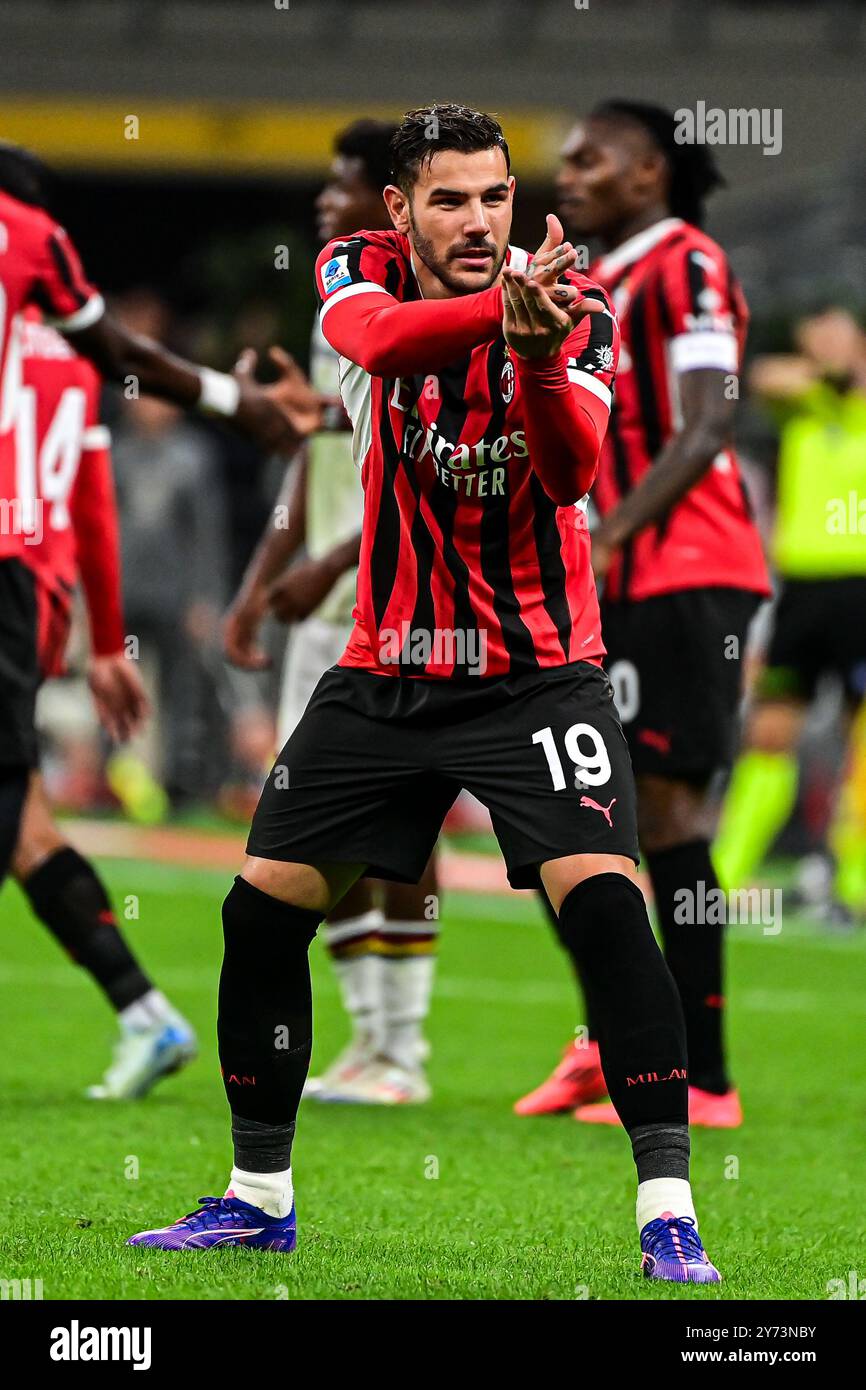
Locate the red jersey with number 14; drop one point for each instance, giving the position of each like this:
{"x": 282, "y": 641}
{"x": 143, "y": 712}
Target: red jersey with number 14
{"x": 38, "y": 266}
{"x": 468, "y": 565}
{"x": 680, "y": 309}
{"x": 65, "y": 487}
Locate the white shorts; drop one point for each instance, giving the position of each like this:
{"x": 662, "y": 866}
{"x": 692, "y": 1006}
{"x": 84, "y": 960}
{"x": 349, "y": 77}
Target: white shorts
{"x": 314, "y": 646}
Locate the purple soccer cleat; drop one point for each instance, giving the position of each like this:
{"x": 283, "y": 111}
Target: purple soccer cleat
{"x": 672, "y": 1250}
{"x": 224, "y": 1221}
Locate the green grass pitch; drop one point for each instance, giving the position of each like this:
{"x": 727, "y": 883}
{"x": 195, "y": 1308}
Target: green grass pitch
{"x": 455, "y": 1200}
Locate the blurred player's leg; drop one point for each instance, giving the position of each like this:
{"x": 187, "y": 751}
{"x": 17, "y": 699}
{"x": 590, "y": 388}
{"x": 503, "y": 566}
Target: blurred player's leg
{"x": 676, "y": 824}
{"x": 67, "y": 895}
{"x": 672, "y": 815}
{"x": 577, "y": 1079}
{"x": 13, "y": 794}
{"x": 698, "y": 711}
{"x": 406, "y": 961}
{"x": 410, "y": 940}
{"x": 761, "y": 794}
{"x": 351, "y": 935}
{"x": 848, "y": 833}
{"x": 384, "y": 968}
{"x": 19, "y": 682}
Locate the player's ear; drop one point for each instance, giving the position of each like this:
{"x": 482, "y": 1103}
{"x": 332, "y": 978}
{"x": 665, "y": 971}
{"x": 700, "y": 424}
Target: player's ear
{"x": 652, "y": 173}
{"x": 398, "y": 207}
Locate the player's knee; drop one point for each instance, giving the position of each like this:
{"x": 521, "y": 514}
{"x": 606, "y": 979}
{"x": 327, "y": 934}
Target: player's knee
{"x": 263, "y": 929}
{"x": 601, "y": 917}
{"x": 37, "y": 843}
{"x": 560, "y": 876}
{"x": 313, "y": 888}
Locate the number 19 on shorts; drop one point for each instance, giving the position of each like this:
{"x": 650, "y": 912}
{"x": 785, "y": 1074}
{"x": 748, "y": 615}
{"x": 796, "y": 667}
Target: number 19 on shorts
{"x": 585, "y": 748}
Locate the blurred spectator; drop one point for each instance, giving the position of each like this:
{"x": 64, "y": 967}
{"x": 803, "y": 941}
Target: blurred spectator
{"x": 173, "y": 540}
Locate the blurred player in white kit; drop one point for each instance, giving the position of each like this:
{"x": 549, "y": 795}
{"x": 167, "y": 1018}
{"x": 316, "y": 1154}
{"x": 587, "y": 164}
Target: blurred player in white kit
{"x": 382, "y": 937}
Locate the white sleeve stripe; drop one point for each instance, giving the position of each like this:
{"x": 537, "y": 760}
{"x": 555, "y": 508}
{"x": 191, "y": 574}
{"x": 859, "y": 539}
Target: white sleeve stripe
{"x": 364, "y": 287}
{"x": 96, "y": 437}
{"x": 88, "y": 314}
{"x": 691, "y": 351}
{"x": 589, "y": 383}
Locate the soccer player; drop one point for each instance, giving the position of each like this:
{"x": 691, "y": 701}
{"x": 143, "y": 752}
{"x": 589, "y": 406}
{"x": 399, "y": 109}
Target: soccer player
{"x": 64, "y": 482}
{"x": 39, "y": 265}
{"x": 479, "y": 386}
{"x": 384, "y": 957}
{"x": 677, "y": 548}
{"x": 819, "y": 546}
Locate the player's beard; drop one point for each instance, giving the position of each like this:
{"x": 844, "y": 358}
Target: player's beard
{"x": 423, "y": 248}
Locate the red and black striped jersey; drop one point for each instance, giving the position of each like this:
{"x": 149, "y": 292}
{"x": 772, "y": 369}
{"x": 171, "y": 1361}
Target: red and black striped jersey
{"x": 680, "y": 309}
{"x": 65, "y": 483}
{"x": 39, "y": 266}
{"x": 475, "y": 553}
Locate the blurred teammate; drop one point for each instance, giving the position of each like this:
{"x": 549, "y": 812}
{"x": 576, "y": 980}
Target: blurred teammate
{"x": 39, "y": 266}
{"x": 677, "y": 548}
{"x": 819, "y": 548}
{"x": 384, "y": 960}
{"x": 479, "y": 405}
{"x": 64, "y": 482}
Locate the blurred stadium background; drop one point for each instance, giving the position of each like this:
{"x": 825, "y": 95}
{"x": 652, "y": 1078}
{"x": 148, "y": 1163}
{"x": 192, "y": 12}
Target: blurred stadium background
{"x": 179, "y": 211}
{"x": 236, "y": 105}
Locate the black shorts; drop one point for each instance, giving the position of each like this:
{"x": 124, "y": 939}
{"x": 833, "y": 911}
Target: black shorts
{"x": 675, "y": 663}
{"x": 20, "y": 675}
{"x": 819, "y": 627}
{"x": 372, "y": 768}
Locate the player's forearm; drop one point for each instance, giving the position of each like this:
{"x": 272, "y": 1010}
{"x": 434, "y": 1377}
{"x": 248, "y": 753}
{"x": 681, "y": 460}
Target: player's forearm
{"x": 93, "y": 514}
{"x": 562, "y": 438}
{"x": 122, "y": 356}
{"x": 274, "y": 418}
{"x": 344, "y": 556}
{"x": 99, "y": 567}
{"x": 392, "y": 339}
{"x": 682, "y": 463}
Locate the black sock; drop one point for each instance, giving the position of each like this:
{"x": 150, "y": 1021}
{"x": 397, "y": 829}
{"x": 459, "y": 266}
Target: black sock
{"x": 694, "y": 951}
{"x": 66, "y": 894}
{"x": 588, "y": 1009}
{"x": 641, "y": 1034}
{"x": 14, "y": 782}
{"x": 265, "y": 1024}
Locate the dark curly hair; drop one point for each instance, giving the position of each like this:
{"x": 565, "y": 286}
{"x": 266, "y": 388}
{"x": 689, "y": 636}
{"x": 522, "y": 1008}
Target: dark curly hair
{"x": 443, "y": 126}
